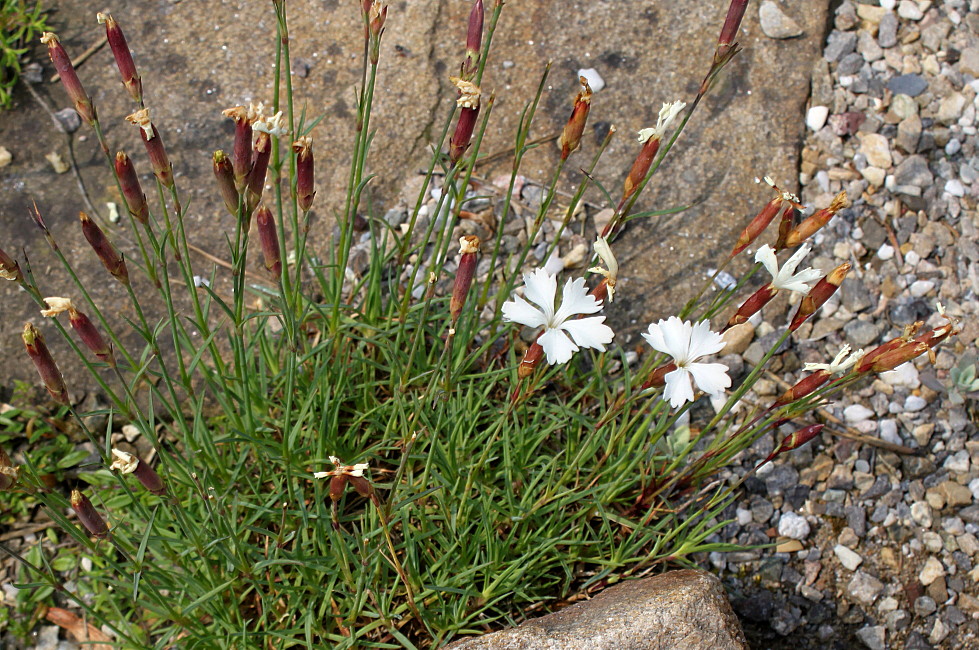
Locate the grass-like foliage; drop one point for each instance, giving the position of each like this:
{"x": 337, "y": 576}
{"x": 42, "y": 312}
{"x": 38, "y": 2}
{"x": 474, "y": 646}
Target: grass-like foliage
{"x": 20, "y": 22}
{"x": 366, "y": 460}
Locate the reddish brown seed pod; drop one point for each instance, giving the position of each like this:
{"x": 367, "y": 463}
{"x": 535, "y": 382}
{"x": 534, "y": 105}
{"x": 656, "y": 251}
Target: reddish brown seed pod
{"x": 468, "y": 251}
{"x": 87, "y": 514}
{"x": 819, "y": 294}
{"x": 46, "y": 367}
{"x": 69, "y": 78}
{"x": 108, "y": 254}
{"x": 131, "y": 188}
{"x": 123, "y": 57}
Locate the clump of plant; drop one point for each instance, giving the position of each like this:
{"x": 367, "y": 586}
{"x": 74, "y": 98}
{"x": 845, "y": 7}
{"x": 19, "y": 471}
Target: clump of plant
{"x": 20, "y": 23}
{"x": 963, "y": 382}
{"x": 378, "y": 455}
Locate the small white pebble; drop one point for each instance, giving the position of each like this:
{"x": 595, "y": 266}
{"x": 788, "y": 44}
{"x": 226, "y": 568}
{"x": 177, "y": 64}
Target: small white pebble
{"x": 921, "y": 288}
{"x": 849, "y": 559}
{"x": 857, "y": 413}
{"x": 793, "y": 526}
{"x": 955, "y": 187}
{"x": 816, "y": 117}
{"x": 885, "y": 252}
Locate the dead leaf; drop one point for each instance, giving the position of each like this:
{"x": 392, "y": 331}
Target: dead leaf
{"x": 78, "y": 629}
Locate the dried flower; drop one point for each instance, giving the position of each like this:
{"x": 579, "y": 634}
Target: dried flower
{"x": 604, "y": 252}
{"x": 126, "y": 463}
{"x": 562, "y": 334}
{"x": 87, "y": 514}
{"x": 687, "y": 344}
{"x": 665, "y": 118}
{"x": 468, "y": 93}
{"x": 468, "y": 250}
{"x": 46, "y": 367}
{"x": 155, "y": 151}
{"x": 9, "y": 268}
{"x": 343, "y": 474}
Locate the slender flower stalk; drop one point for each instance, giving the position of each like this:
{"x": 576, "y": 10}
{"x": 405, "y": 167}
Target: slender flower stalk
{"x": 126, "y": 463}
{"x": 571, "y": 136}
{"x": 123, "y": 57}
{"x": 69, "y": 78}
{"x": 131, "y": 189}
{"x": 87, "y": 514}
{"x": 224, "y": 174}
{"x": 819, "y": 294}
{"x": 46, "y": 367}
{"x": 155, "y": 151}
{"x": 83, "y": 326}
{"x": 305, "y": 187}
{"x": 783, "y": 201}
{"x": 810, "y": 226}
{"x": 468, "y": 252}
{"x": 108, "y": 254}
{"x": 650, "y": 139}
{"x": 9, "y": 268}
{"x": 269, "y": 238}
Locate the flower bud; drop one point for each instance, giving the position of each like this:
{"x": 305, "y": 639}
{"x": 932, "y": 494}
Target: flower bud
{"x": 650, "y": 139}
{"x": 131, "y": 189}
{"x": 225, "y": 176}
{"x": 795, "y": 440}
{"x": 337, "y": 485}
{"x": 819, "y": 294}
{"x": 91, "y": 336}
{"x": 304, "y": 172}
{"x": 376, "y": 16}
{"x": 124, "y": 58}
{"x": 48, "y": 370}
{"x": 91, "y": 519}
{"x": 474, "y": 41}
{"x": 468, "y": 249}
{"x": 820, "y": 218}
{"x": 752, "y": 305}
{"x": 157, "y": 153}
{"x": 868, "y": 359}
{"x": 260, "y": 165}
{"x": 362, "y": 485}
{"x": 241, "y": 158}
{"x": 658, "y": 376}
{"x": 802, "y": 388}
{"x": 9, "y": 268}
{"x": 69, "y": 78}
{"x": 126, "y": 463}
{"x": 531, "y": 358}
{"x": 782, "y": 201}
{"x": 110, "y": 256}
{"x": 8, "y": 473}
{"x": 571, "y": 136}
{"x": 729, "y": 31}
{"x": 269, "y": 239}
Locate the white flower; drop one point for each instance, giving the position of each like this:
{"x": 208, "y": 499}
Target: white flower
{"x": 124, "y": 462}
{"x": 141, "y": 118}
{"x": 666, "y": 116}
{"x": 343, "y": 470}
{"x": 687, "y": 343}
{"x": 837, "y": 365}
{"x": 563, "y": 334}
{"x": 604, "y": 252}
{"x": 786, "y": 277}
{"x": 468, "y": 93}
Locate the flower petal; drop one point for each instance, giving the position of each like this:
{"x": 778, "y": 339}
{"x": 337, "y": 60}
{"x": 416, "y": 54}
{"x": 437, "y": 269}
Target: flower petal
{"x": 790, "y": 264}
{"x": 678, "y": 388}
{"x": 655, "y": 337}
{"x": 520, "y": 311}
{"x": 557, "y": 346}
{"x": 676, "y": 338}
{"x": 703, "y": 341}
{"x": 541, "y": 289}
{"x": 766, "y": 256}
{"x": 575, "y": 300}
{"x": 589, "y": 332}
{"x": 710, "y": 377}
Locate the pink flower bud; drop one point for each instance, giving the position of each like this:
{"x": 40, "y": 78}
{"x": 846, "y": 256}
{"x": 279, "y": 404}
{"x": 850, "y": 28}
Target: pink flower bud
{"x": 48, "y": 370}
{"x": 225, "y": 176}
{"x": 87, "y": 514}
{"x": 474, "y": 41}
{"x": 69, "y": 78}
{"x": 303, "y": 147}
{"x": 108, "y": 254}
{"x": 468, "y": 250}
{"x": 123, "y": 57}
{"x": 269, "y": 239}
{"x": 91, "y": 336}
{"x": 131, "y": 189}
{"x": 752, "y": 305}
